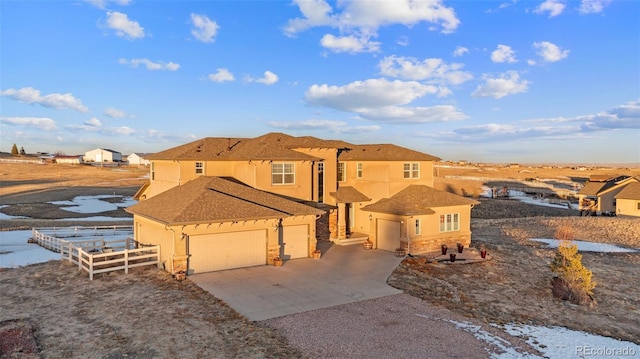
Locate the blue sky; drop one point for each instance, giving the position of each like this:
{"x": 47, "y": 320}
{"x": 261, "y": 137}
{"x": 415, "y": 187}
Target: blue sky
{"x": 490, "y": 81}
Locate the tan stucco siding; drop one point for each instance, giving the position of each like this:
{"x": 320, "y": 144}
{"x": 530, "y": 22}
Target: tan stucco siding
{"x": 173, "y": 239}
{"x": 383, "y": 179}
{"x": 628, "y": 207}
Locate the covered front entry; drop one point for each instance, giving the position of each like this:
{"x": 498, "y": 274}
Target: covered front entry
{"x": 212, "y": 252}
{"x": 388, "y": 234}
{"x": 295, "y": 241}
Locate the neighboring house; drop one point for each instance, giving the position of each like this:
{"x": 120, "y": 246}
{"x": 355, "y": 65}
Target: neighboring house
{"x": 380, "y": 192}
{"x": 102, "y": 155}
{"x": 598, "y": 196}
{"x": 628, "y": 200}
{"x": 139, "y": 159}
{"x": 72, "y": 160}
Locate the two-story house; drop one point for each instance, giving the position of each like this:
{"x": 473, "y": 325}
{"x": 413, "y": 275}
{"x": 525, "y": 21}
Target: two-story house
{"x": 598, "y": 196}
{"x": 219, "y": 203}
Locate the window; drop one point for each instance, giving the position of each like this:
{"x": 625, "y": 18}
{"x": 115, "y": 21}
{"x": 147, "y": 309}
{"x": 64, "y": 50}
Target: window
{"x": 283, "y": 173}
{"x": 412, "y": 170}
{"x": 638, "y": 206}
{"x": 359, "y": 170}
{"x": 199, "y": 168}
{"x": 417, "y": 227}
{"x": 342, "y": 171}
{"x": 153, "y": 171}
{"x": 449, "y": 222}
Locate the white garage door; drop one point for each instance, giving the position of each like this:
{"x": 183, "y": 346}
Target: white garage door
{"x": 212, "y": 252}
{"x": 296, "y": 241}
{"x": 388, "y": 235}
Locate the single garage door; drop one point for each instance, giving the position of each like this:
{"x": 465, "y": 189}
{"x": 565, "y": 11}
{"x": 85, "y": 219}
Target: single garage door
{"x": 388, "y": 234}
{"x": 296, "y": 241}
{"x": 212, "y": 252}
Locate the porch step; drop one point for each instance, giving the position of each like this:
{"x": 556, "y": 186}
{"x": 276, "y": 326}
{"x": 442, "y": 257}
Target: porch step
{"x": 350, "y": 241}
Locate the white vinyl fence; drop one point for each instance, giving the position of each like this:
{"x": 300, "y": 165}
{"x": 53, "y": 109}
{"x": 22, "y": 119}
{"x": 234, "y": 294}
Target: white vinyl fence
{"x": 97, "y": 255}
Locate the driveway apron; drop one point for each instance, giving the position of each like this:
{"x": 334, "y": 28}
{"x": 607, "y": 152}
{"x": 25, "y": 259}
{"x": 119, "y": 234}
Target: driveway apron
{"x": 344, "y": 274}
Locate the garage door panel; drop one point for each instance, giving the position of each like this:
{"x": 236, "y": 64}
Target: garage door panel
{"x": 211, "y": 252}
{"x": 296, "y": 241}
{"x": 388, "y": 234}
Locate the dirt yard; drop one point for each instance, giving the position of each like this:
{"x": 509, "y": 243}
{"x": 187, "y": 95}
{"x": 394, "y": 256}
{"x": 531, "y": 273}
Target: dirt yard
{"x": 117, "y": 315}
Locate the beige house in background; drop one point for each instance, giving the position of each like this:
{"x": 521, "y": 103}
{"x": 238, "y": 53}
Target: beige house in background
{"x": 102, "y": 155}
{"x": 628, "y": 200}
{"x": 138, "y": 159}
{"x": 211, "y": 200}
{"x": 598, "y": 196}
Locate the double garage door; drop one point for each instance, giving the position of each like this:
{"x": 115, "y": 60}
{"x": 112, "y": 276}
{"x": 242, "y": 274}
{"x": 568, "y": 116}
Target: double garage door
{"x": 213, "y": 252}
{"x": 388, "y": 234}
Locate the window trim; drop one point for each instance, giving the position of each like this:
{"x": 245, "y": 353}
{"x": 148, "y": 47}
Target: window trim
{"x": 359, "y": 170}
{"x": 283, "y": 173}
{"x": 449, "y": 222}
{"x": 411, "y": 170}
{"x": 342, "y": 178}
{"x": 199, "y": 169}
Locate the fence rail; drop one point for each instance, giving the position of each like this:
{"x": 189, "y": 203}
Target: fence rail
{"x": 98, "y": 255}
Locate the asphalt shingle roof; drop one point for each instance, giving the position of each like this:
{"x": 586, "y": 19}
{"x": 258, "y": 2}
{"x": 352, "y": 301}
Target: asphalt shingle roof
{"x": 630, "y": 191}
{"x": 214, "y": 200}
{"x": 348, "y": 194}
{"x": 418, "y": 200}
{"x": 281, "y": 147}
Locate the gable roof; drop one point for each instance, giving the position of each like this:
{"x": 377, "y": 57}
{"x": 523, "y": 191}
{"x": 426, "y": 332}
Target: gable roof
{"x": 383, "y": 152}
{"x": 630, "y": 191}
{"x": 215, "y": 200}
{"x": 276, "y": 146}
{"x": 348, "y": 194}
{"x": 601, "y": 184}
{"x": 417, "y": 200}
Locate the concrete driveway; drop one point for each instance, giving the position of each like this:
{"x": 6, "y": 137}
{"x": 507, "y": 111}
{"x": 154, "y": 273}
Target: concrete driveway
{"x": 344, "y": 274}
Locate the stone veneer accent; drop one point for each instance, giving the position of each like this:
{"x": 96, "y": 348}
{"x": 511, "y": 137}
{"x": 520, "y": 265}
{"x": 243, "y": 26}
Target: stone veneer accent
{"x": 433, "y": 244}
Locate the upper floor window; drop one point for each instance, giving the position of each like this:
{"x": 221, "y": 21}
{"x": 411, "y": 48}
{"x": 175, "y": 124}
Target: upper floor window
{"x": 283, "y": 173}
{"x": 199, "y": 168}
{"x": 153, "y": 171}
{"x": 342, "y": 172}
{"x": 418, "y": 227}
{"x": 359, "y": 170}
{"x": 412, "y": 170}
{"x": 449, "y": 222}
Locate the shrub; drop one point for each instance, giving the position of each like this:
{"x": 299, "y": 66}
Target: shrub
{"x": 573, "y": 281}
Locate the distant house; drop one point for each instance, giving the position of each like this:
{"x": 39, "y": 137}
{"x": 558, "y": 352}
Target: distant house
{"x": 102, "y": 155}
{"x": 598, "y": 196}
{"x": 139, "y": 159}
{"x": 628, "y": 200}
{"x": 71, "y": 160}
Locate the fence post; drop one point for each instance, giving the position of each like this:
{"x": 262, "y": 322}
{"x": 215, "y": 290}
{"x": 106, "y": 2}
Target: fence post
{"x": 90, "y": 266}
{"x": 126, "y": 261}
{"x": 158, "y": 256}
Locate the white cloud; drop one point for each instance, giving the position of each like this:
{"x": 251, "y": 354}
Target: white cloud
{"x": 553, "y": 7}
{"x": 269, "y": 78}
{"x": 459, "y": 51}
{"x": 204, "y": 29}
{"x": 41, "y": 123}
{"x": 503, "y": 53}
{"x": 123, "y": 130}
{"x": 115, "y": 113}
{"x": 350, "y": 44}
{"x": 55, "y": 100}
{"x": 367, "y": 16}
{"x": 433, "y": 70}
{"x": 549, "y": 51}
{"x": 93, "y": 122}
{"x": 403, "y": 41}
{"x": 123, "y": 26}
{"x": 508, "y": 83}
{"x": 221, "y": 75}
{"x": 150, "y": 65}
{"x": 325, "y": 125}
{"x": 102, "y": 4}
{"x": 372, "y": 93}
{"x": 414, "y": 115}
{"x": 593, "y": 6}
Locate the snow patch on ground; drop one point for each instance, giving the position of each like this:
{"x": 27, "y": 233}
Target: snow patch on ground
{"x": 94, "y": 204}
{"x": 586, "y": 246}
{"x": 16, "y": 252}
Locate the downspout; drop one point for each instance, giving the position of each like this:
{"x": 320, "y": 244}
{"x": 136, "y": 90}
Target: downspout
{"x": 174, "y": 245}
